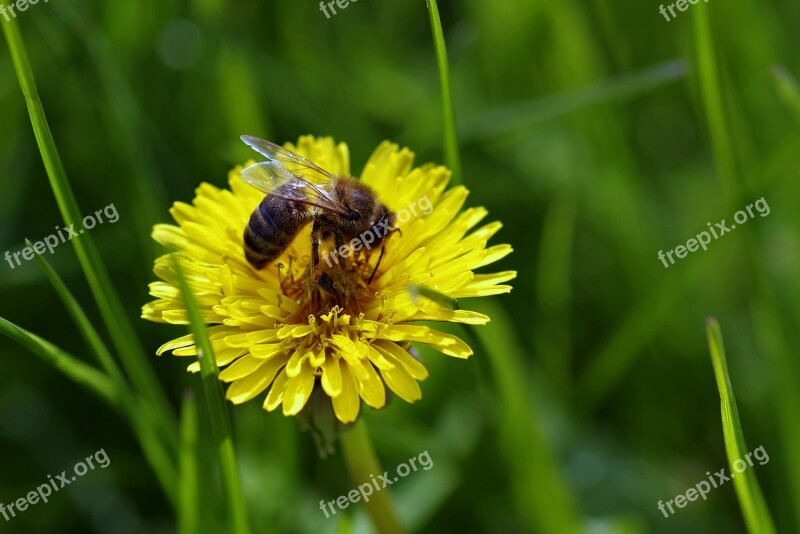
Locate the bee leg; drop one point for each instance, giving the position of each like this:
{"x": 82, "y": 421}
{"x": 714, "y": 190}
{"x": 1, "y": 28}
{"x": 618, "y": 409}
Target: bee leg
{"x": 337, "y": 238}
{"x": 315, "y": 246}
{"x": 383, "y": 248}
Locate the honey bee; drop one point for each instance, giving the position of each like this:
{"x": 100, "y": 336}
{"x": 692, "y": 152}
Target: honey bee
{"x": 298, "y": 192}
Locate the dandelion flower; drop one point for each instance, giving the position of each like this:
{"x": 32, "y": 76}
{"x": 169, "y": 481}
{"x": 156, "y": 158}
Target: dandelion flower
{"x": 278, "y": 333}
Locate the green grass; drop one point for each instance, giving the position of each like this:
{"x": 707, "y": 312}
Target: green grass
{"x": 189, "y": 516}
{"x": 754, "y": 507}
{"x": 218, "y": 411}
{"x": 110, "y": 305}
{"x": 74, "y": 369}
{"x": 142, "y": 420}
{"x": 452, "y": 152}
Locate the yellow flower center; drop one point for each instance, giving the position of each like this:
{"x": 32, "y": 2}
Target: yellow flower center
{"x": 344, "y": 285}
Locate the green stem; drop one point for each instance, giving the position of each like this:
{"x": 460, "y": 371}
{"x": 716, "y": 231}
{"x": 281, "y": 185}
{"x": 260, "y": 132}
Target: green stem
{"x": 81, "y": 373}
{"x": 108, "y": 301}
{"x": 711, "y": 94}
{"x": 754, "y": 507}
{"x": 189, "y": 501}
{"x": 217, "y": 409}
{"x": 452, "y": 155}
{"x": 359, "y": 455}
{"x": 85, "y": 326}
{"x": 140, "y": 417}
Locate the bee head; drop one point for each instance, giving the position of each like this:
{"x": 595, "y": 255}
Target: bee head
{"x": 361, "y": 208}
{"x": 360, "y": 203}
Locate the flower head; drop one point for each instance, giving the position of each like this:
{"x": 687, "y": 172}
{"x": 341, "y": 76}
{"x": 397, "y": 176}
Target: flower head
{"x": 346, "y": 327}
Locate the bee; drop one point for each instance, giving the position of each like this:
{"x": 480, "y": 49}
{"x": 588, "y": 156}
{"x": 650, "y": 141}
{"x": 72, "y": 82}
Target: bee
{"x": 298, "y": 192}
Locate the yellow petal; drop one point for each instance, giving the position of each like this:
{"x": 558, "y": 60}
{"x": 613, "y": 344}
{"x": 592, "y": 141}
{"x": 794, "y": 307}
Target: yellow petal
{"x": 378, "y": 359}
{"x": 347, "y": 404}
{"x": 251, "y": 386}
{"x": 295, "y": 363}
{"x": 298, "y": 391}
{"x": 294, "y": 331}
{"x": 411, "y": 364}
{"x": 241, "y": 368}
{"x": 385, "y": 164}
{"x": 332, "y": 377}
{"x": 317, "y": 358}
{"x": 181, "y": 342}
{"x": 481, "y": 291}
{"x": 251, "y": 338}
{"x": 445, "y": 343}
{"x": 275, "y": 395}
{"x": 401, "y": 383}
{"x": 371, "y": 389}
{"x": 493, "y": 254}
{"x": 268, "y": 351}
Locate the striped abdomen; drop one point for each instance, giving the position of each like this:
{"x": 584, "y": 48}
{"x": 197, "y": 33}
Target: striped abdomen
{"x": 273, "y": 225}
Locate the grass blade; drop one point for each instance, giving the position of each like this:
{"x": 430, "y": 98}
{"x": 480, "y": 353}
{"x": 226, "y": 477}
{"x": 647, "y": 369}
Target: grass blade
{"x": 124, "y": 118}
{"x": 140, "y": 417}
{"x": 85, "y": 326}
{"x": 452, "y": 156}
{"x": 553, "y": 293}
{"x": 541, "y": 494}
{"x": 531, "y": 113}
{"x": 754, "y": 508}
{"x": 108, "y": 301}
{"x": 788, "y": 91}
{"x": 709, "y": 85}
{"x": 189, "y": 502}
{"x": 76, "y": 370}
{"x": 217, "y": 409}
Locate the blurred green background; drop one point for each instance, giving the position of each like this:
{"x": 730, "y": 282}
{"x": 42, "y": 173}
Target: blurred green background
{"x": 598, "y": 132}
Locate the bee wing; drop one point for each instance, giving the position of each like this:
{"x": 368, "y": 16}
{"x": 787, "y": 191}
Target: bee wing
{"x": 294, "y": 163}
{"x": 272, "y": 178}
{"x": 267, "y": 176}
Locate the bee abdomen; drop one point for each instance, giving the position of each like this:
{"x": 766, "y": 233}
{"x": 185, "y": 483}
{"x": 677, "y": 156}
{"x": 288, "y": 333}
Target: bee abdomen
{"x": 271, "y": 228}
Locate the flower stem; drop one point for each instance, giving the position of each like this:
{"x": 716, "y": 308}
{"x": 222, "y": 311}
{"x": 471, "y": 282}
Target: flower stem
{"x": 452, "y": 155}
{"x": 359, "y": 455}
